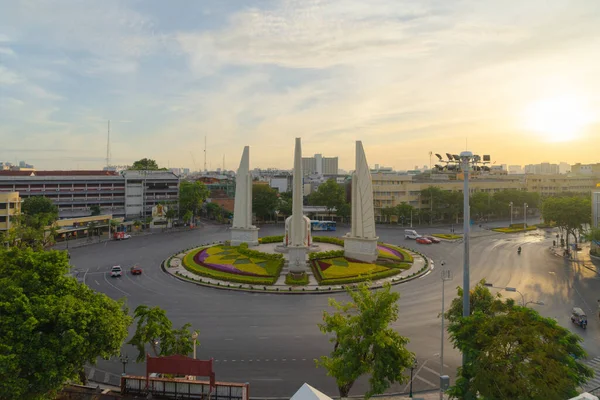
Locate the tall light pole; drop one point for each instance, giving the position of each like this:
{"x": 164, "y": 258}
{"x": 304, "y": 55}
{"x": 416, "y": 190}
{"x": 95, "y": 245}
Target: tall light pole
{"x": 446, "y": 276}
{"x": 194, "y": 338}
{"x": 512, "y": 289}
{"x": 525, "y": 216}
{"x": 511, "y": 212}
{"x": 465, "y": 158}
{"x": 412, "y": 367}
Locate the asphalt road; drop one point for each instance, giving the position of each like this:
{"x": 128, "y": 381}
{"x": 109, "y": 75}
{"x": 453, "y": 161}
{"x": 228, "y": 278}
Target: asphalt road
{"x": 272, "y": 340}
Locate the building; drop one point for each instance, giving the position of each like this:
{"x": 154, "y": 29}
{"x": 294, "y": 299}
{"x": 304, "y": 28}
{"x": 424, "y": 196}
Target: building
{"x": 319, "y": 165}
{"x": 282, "y": 182}
{"x": 586, "y": 169}
{"x": 130, "y": 194}
{"x": 543, "y": 168}
{"x": 515, "y": 170}
{"x": 596, "y": 209}
{"x": 146, "y": 189}
{"x": 10, "y": 206}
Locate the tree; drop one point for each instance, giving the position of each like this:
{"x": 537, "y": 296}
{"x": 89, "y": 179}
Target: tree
{"x": 329, "y": 194}
{"x": 264, "y": 201}
{"x": 23, "y": 236}
{"x": 155, "y": 329}
{"x": 92, "y": 227}
{"x": 405, "y": 211}
{"x": 285, "y": 203}
{"x": 388, "y": 212}
{"x": 434, "y": 198}
{"x": 192, "y": 196}
{"x": 51, "y": 325}
{"x": 146, "y": 164}
{"x": 213, "y": 210}
{"x": 480, "y": 203}
{"x": 568, "y": 213}
{"x": 95, "y": 209}
{"x": 187, "y": 217}
{"x": 170, "y": 214}
{"x": 343, "y": 211}
{"x": 364, "y": 342}
{"x": 39, "y": 212}
{"x": 513, "y": 352}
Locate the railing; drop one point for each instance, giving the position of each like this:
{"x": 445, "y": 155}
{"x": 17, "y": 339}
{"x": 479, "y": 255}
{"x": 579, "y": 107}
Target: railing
{"x": 184, "y": 389}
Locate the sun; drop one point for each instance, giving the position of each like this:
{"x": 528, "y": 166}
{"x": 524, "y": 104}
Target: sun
{"x": 558, "y": 119}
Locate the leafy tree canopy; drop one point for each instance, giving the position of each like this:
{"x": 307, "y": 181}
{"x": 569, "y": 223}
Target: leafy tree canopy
{"x": 95, "y": 209}
{"x": 51, "y": 326}
{"x": 146, "y": 164}
{"x": 192, "y": 196}
{"x": 39, "y": 211}
{"x": 156, "y": 330}
{"x": 569, "y": 213}
{"x": 329, "y": 194}
{"x": 364, "y": 343}
{"x": 512, "y": 352}
{"x": 264, "y": 201}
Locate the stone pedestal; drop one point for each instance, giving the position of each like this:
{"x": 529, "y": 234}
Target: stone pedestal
{"x": 244, "y": 235}
{"x": 297, "y": 259}
{"x": 360, "y": 248}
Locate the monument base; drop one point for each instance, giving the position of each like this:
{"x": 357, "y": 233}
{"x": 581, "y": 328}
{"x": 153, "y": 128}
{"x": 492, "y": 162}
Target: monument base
{"x": 297, "y": 259}
{"x": 244, "y": 235}
{"x": 360, "y": 248}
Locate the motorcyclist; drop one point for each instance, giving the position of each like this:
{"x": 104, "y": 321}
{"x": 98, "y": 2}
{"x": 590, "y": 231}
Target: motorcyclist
{"x": 519, "y": 250}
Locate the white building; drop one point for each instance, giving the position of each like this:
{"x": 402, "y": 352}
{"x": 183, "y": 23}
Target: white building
{"x": 515, "y": 169}
{"x": 596, "y": 209}
{"x": 320, "y": 165}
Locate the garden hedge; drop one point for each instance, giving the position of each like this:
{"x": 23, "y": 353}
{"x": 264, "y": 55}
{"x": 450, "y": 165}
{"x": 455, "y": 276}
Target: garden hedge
{"x": 328, "y": 239}
{"x": 360, "y": 278}
{"x": 302, "y": 281}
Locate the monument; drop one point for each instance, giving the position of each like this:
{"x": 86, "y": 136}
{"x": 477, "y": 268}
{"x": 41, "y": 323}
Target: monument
{"x": 297, "y": 239}
{"x": 361, "y": 242}
{"x": 242, "y": 230}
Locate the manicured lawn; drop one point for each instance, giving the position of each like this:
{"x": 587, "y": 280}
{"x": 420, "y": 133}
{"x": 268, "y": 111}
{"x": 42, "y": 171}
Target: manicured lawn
{"x": 301, "y": 281}
{"x": 226, "y": 263}
{"x": 514, "y": 230}
{"x": 448, "y": 236}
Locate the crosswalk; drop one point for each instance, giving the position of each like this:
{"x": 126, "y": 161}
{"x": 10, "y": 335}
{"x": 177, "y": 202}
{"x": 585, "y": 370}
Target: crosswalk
{"x": 593, "y": 383}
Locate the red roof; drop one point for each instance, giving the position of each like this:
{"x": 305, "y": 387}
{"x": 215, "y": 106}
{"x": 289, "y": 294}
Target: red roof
{"x": 59, "y": 173}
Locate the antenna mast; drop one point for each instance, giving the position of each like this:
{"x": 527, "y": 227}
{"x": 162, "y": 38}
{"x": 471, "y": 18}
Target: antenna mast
{"x": 204, "y": 153}
{"x": 108, "y": 146}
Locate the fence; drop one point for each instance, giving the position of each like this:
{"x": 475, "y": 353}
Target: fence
{"x": 184, "y": 389}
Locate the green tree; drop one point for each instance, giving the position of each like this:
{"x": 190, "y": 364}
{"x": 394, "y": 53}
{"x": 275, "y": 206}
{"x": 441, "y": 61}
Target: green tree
{"x": 405, "y": 211}
{"x": 512, "y": 352}
{"x": 568, "y": 213}
{"x": 23, "y": 236}
{"x": 433, "y": 202}
{"x": 187, "y": 217}
{"x": 343, "y": 211}
{"x": 329, "y": 194}
{"x": 51, "y": 326}
{"x": 192, "y": 196}
{"x": 264, "y": 201}
{"x": 155, "y": 329}
{"x": 95, "y": 209}
{"x": 39, "y": 212}
{"x": 285, "y": 203}
{"x": 388, "y": 212}
{"x": 171, "y": 214}
{"x": 146, "y": 164}
{"x": 480, "y": 203}
{"x": 364, "y": 342}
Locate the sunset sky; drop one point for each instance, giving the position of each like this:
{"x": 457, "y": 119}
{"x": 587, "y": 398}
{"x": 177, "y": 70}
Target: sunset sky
{"x": 519, "y": 80}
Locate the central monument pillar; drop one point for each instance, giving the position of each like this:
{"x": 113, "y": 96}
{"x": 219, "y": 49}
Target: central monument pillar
{"x": 242, "y": 230}
{"x": 297, "y": 227}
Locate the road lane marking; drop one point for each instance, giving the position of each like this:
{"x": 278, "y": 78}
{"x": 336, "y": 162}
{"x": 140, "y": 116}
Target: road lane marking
{"x": 430, "y": 370}
{"x": 142, "y": 286}
{"x": 425, "y": 380}
{"x": 122, "y": 291}
{"x": 84, "y": 275}
{"x": 97, "y": 283}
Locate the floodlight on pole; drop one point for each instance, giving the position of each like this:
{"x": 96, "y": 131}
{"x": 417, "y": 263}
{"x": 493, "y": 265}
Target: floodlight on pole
{"x": 512, "y": 289}
{"x": 466, "y": 157}
{"x": 511, "y": 212}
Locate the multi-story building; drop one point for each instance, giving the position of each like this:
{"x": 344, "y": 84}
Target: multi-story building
{"x": 146, "y": 189}
{"x": 319, "y": 165}
{"x": 542, "y": 169}
{"x": 596, "y": 209}
{"x": 585, "y": 169}
{"x": 129, "y": 194}
{"x": 10, "y": 206}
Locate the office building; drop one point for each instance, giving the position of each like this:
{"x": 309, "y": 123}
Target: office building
{"x": 319, "y": 165}
{"x": 146, "y": 189}
{"x": 586, "y": 169}
{"x": 596, "y": 208}
{"x": 10, "y": 206}
{"x": 543, "y": 168}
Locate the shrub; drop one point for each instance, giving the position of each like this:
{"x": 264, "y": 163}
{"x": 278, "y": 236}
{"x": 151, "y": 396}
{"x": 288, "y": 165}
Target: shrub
{"x": 326, "y": 254}
{"x": 328, "y": 239}
{"x": 514, "y": 230}
{"x": 296, "y": 281}
{"x": 271, "y": 239}
{"x": 243, "y": 249}
{"x": 360, "y": 278}
{"x": 448, "y": 236}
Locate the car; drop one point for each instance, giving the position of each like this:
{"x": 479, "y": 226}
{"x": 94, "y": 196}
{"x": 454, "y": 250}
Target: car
{"x": 433, "y": 239}
{"x": 411, "y": 234}
{"x": 135, "y": 270}
{"x": 116, "y": 271}
{"x": 423, "y": 240}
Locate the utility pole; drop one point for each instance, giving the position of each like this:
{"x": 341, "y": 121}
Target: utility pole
{"x": 108, "y": 147}
{"x": 204, "y": 153}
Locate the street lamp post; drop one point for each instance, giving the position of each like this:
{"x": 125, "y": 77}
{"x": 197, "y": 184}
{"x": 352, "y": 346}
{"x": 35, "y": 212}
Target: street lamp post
{"x": 511, "y": 212}
{"x": 446, "y": 276}
{"x": 412, "y": 368}
{"x": 512, "y": 289}
{"x": 465, "y": 157}
{"x": 194, "y": 338}
{"x": 525, "y": 216}
{"x": 124, "y": 359}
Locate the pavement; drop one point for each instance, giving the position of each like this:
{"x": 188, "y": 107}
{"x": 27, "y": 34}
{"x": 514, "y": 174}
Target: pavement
{"x": 271, "y": 340}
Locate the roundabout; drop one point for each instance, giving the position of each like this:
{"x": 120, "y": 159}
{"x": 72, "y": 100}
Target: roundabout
{"x": 262, "y": 269}
{"x": 271, "y": 340}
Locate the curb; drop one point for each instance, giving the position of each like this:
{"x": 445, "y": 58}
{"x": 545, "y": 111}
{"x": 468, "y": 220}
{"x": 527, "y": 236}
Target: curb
{"x": 429, "y": 266}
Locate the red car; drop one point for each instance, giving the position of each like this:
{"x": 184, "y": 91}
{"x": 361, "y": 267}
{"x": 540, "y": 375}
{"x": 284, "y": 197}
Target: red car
{"x": 423, "y": 240}
{"x": 433, "y": 239}
{"x": 135, "y": 270}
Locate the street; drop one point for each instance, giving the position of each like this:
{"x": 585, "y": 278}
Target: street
{"x": 272, "y": 340}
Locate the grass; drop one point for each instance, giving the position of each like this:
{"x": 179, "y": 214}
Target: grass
{"x": 405, "y": 256}
{"x": 448, "y": 236}
{"x": 296, "y": 281}
{"x": 514, "y": 230}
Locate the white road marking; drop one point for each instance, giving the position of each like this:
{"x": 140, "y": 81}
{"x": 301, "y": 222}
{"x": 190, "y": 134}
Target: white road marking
{"x": 142, "y": 286}
{"x": 97, "y": 283}
{"x": 425, "y": 380}
{"x": 430, "y": 370}
{"x": 427, "y": 273}
{"x": 122, "y": 291}
{"x": 86, "y": 271}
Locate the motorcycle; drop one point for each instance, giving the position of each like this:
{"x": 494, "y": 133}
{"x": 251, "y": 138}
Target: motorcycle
{"x": 519, "y": 251}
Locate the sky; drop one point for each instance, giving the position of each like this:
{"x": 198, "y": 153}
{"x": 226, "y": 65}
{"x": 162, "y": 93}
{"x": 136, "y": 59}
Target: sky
{"x": 515, "y": 79}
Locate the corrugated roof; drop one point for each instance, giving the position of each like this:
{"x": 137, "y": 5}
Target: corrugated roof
{"x": 59, "y": 173}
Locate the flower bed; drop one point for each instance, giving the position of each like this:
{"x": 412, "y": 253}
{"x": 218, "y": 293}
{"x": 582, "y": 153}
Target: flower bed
{"x": 514, "y": 230}
{"x": 227, "y": 263}
{"x": 394, "y": 252}
{"x": 448, "y": 236}
{"x": 328, "y": 239}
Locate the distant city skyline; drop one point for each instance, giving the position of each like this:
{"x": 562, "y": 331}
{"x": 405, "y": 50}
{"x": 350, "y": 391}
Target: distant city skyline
{"x": 517, "y": 81}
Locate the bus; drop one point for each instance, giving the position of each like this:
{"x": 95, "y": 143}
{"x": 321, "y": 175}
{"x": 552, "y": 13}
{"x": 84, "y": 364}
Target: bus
{"x": 322, "y": 225}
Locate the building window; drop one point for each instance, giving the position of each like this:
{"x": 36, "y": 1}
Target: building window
{"x": 2, "y": 219}
{"x": 2, "y": 206}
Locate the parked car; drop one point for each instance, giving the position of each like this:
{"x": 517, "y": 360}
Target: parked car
{"x": 433, "y": 239}
{"x": 121, "y": 236}
{"x": 423, "y": 240}
{"x": 136, "y": 270}
{"x": 116, "y": 271}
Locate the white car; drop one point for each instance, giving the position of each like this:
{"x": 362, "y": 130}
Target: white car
{"x": 116, "y": 271}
